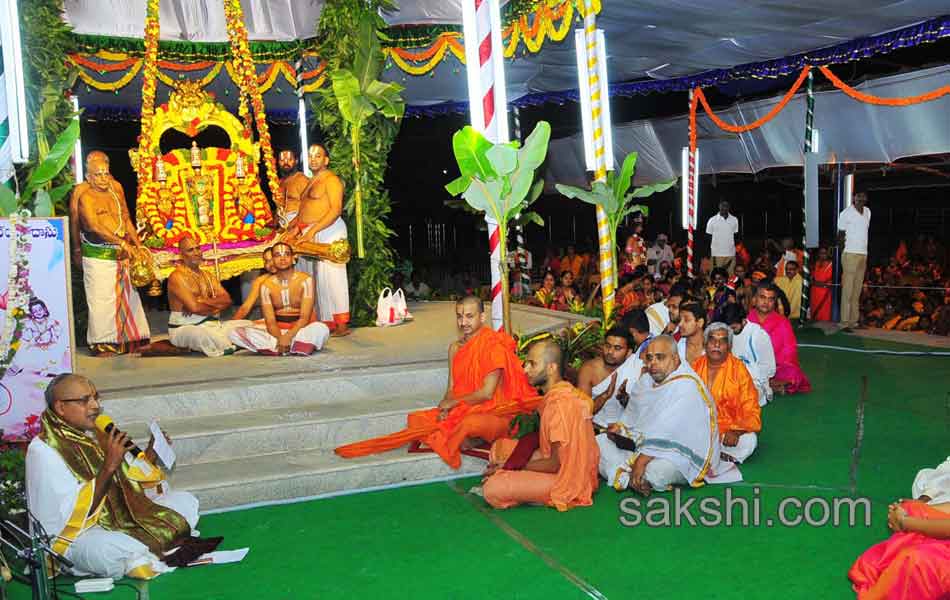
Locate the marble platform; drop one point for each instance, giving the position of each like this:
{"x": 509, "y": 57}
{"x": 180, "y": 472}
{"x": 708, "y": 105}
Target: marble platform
{"x": 250, "y": 429}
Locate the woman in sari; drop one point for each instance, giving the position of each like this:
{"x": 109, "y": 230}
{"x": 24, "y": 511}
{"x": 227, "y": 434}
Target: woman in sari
{"x": 822, "y": 276}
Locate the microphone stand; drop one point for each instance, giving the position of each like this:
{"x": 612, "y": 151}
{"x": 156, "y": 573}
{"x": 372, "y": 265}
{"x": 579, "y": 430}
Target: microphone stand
{"x": 34, "y": 554}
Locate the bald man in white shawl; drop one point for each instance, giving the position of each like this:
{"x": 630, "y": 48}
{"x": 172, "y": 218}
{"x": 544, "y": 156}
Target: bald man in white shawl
{"x": 671, "y": 417}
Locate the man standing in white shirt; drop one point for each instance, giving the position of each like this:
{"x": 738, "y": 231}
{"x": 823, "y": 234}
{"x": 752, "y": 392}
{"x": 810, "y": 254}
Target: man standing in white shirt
{"x": 853, "y": 223}
{"x": 723, "y": 227}
{"x": 659, "y": 252}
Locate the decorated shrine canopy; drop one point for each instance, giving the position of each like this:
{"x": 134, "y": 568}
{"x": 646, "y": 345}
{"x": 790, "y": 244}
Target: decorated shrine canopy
{"x": 652, "y": 45}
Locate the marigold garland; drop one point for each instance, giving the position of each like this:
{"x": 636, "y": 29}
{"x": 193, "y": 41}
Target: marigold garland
{"x": 249, "y": 86}
{"x": 149, "y": 86}
{"x": 869, "y": 99}
{"x": 758, "y": 122}
{"x": 700, "y": 98}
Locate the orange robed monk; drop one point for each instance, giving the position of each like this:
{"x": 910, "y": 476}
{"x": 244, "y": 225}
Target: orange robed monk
{"x": 562, "y": 472}
{"x": 732, "y": 387}
{"x": 483, "y": 370}
{"x": 487, "y": 387}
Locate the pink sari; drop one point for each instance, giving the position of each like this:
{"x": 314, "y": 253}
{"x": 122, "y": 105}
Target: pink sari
{"x": 906, "y": 565}
{"x": 785, "y": 345}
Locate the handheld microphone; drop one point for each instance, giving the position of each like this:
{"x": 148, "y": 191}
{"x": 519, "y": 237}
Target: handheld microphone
{"x": 105, "y": 424}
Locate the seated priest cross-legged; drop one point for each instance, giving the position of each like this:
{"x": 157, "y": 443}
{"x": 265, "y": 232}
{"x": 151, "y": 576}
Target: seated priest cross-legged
{"x": 254, "y": 295}
{"x": 668, "y": 433}
{"x": 487, "y": 387}
{"x": 753, "y": 347}
{"x": 604, "y": 379}
{"x": 287, "y": 301}
{"x": 109, "y": 516}
{"x": 483, "y": 369}
{"x": 196, "y": 300}
{"x": 562, "y": 471}
{"x": 789, "y": 377}
{"x": 737, "y": 400}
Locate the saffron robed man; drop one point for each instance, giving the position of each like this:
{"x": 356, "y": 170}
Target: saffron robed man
{"x": 109, "y": 516}
{"x": 487, "y": 386}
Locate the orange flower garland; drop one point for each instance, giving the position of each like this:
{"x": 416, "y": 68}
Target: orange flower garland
{"x": 869, "y": 99}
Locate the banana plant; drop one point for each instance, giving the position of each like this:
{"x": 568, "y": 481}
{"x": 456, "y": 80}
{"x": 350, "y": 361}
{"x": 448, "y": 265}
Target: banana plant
{"x": 611, "y": 195}
{"x": 35, "y": 195}
{"x": 360, "y": 95}
{"x": 499, "y": 180}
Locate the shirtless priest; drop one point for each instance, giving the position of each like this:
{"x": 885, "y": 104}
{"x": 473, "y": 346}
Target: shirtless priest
{"x": 320, "y": 220}
{"x": 117, "y": 321}
{"x": 287, "y": 304}
{"x": 292, "y": 185}
{"x": 196, "y": 299}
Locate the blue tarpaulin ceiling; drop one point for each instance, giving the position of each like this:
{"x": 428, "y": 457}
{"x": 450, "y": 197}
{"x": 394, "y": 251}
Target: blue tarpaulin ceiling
{"x": 646, "y": 40}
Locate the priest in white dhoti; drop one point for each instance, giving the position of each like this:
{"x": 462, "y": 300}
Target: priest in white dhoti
{"x": 320, "y": 220}
{"x": 289, "y": 326}
{"x": 672, "y": 420}
{"x": 117, "y": 321}
{"x": 109, "y": 515}
{"x": 196, "y": 299}
{"x": 933, "y": 485}
{"x": 752, "y": 345}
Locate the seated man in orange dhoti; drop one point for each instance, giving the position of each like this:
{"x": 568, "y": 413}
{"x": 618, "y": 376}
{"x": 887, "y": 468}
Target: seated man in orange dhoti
{"x": 487, "y": 387}
{"x": 483, "y": 369}
{"x": 562, "y": 472}
{"x": 732, "y": 387}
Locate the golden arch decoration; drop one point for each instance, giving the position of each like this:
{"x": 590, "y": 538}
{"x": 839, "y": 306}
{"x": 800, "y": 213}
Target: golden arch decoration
{"x": 210, "y": 194}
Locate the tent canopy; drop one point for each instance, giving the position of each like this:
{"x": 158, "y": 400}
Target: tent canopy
{"x": 649, "y": 39}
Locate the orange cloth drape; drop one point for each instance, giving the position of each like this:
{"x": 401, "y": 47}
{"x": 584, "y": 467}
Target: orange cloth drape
{"x": 485, "y": 352}
{"x": 737, "y": 401}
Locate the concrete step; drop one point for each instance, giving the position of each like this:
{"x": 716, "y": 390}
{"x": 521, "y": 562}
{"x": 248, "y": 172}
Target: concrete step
{"x": 232, "y": 436}
{"x": 305, "y": 474}
{"x": 244, "y": 394}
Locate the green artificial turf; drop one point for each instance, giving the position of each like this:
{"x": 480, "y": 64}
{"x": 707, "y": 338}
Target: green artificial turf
{"x": 433, "y": 541}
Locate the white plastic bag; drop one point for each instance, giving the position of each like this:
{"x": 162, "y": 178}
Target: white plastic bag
{"x": 402, "y": 310}
{"x": 387, "y": 311}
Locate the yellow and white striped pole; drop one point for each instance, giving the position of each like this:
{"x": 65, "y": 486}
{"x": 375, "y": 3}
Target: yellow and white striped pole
{"x": 598, "y": 141}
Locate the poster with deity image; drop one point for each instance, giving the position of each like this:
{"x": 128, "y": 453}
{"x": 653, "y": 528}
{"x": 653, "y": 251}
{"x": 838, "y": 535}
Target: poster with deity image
{"x": 36, "y": 337}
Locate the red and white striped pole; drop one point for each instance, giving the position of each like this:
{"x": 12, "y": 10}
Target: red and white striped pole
{"x": 488, "y": 105}
{"x": 691, "y": 185}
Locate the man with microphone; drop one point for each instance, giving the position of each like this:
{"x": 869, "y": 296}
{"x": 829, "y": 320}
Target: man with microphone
{"x": 108, "y": 515}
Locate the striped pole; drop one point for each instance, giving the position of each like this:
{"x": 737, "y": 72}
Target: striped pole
{"x": 691, "y": 187}
{"x": 520, "y": 253}
{"x": 486, "y": 88}
{"x": 590, "y": 77}
{"x": 809, "y": 139}
{"x": 302, "y": 120}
